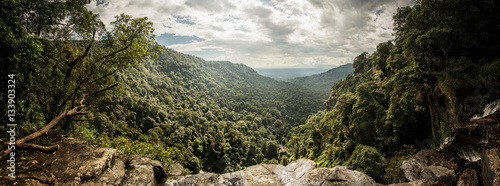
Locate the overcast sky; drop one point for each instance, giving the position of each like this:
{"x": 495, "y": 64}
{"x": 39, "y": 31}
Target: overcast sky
{"x": 264, "y": 33}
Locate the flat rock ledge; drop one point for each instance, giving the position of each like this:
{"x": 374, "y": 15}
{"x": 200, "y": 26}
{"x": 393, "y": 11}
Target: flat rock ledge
{"x": 299, "y": 172}
{"x": 77, "y": 163}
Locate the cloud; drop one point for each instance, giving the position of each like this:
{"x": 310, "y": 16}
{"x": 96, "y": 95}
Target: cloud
{"x": 263, "y": 33}
{"x": 210, "y": 6}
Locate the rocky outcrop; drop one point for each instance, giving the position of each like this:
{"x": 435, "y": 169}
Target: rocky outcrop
{"x": 77, "y": 163}
{"x": 472, "y": 152}
{"x": 300, "y": 172}
{"x": 254, "y": 175}
{"x": 175, "y": 169}
{"x": 490, "y": 166}
{"x": 140, "y": 172}
{"x": 479, "y": 132}
{"x": 430, "y": 165}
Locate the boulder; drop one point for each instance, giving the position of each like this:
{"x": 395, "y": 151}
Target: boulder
{"x": 95, "y": 163}
{"x": 490, "y": 166}
{"x": 76, "y": 162}
{"x": 339, "y": 175}
{"x": 294, "y": 171}
{"x": 197, "y": 179}
{"x": 430, "y": 165}
{"x": 175, "y": 169}
{"x": 257, "y": 175}
{"x": 158, "y": 170}
{"x": 468, "y": 178}
{"x": 254, "y": 175}
{"x": 415, "y": 171}
{"x": 111, "y": 176}
{"x": 441, "y": 174}
{"x": 140, "y": 172}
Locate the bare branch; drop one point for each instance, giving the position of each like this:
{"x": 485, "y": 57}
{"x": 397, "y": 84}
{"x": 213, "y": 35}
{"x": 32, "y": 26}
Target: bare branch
{"x": 31, "y": 146}
{"x": 23, "y": 142}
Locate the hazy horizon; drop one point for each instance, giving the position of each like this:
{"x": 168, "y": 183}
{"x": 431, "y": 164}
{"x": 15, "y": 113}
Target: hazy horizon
{"x": 289, "y": 73}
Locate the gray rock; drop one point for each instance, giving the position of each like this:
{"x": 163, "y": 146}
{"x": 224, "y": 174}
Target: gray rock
{"x": 99, "y": 160}
{"x": 468, "y": 178}
{"x": 490, "y": 166}
{"x": 429, "y": 165}
{"x": 418, "y": 183}
{"x": 414, "y": 170}
{"x": 78, "y": 163}
{"x": 254, "y": 175}
{"x": 339, "y": 175}
{"x": 441, "y": 174}
{"x": 175, "y": 169}
{"x": 198, "y": 179}
{"x": 111, "y": 176}
{"x": 140, "y": 172}
{"x": 294, "y": 171}
{"x": 300, "y": 172}
{"x": 159, "y": 171}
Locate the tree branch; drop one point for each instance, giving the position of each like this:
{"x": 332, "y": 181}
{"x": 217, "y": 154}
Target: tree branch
{"x": 22, "y": 143}
{"x": 73, "y": 63}
{"x": 31, "y": 146}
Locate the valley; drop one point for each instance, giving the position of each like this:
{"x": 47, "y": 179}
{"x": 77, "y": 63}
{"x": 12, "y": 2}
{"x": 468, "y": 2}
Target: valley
{"x": 98, "y": 106}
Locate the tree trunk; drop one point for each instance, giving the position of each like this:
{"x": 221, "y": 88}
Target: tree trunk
{"x": 23, "y": 144}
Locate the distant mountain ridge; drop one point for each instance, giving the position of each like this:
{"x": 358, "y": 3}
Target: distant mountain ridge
{"x": 283, "y": 74}
{"x": 323, "y": 82}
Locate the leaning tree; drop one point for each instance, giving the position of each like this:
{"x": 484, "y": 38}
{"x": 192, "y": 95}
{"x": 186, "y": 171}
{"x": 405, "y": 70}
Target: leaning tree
{"x": 64, "y": 61}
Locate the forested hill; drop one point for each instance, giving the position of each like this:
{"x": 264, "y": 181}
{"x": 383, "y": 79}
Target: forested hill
{"x": 323, "y": 82}
{"x": 216, "y": 116}
{"x": 410, "y": 93}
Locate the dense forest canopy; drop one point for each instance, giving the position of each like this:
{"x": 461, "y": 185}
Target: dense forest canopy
{"x": 218, "y": 116}
{"x": 214, "y": 115}
{"x": 439, "y": 70}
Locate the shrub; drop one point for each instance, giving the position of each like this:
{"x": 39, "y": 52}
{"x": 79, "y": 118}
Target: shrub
{"x": 367, "y": 160}
{"x": 129, "y": 148}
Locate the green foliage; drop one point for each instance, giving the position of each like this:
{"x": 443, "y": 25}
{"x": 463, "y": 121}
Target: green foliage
{"x": 53, "y": 69}
{"x": 156, "y": 151}
{"x": 368, "y": 160}
{"x": 219, "y": 115}
{"x": 408, "y": 87}
{"x": 393, "y": 173}
{"x": 273, "y": 161}
{"x": 194, "y": 164}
